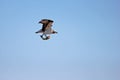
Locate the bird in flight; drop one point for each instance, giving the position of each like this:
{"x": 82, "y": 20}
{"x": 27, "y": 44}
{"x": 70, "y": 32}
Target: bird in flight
{"x": 46, "y": 29}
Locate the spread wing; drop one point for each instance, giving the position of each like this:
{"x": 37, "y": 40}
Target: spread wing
{"x": 49, "y": 25}
{"x": 46, "y": 24}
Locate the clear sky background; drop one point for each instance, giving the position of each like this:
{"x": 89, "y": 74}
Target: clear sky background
{"x": 87, "y": 46}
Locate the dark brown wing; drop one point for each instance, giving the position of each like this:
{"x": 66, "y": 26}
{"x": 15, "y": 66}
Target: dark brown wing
{"x": 46, "y": 24}
{"x": 49, "y": 25}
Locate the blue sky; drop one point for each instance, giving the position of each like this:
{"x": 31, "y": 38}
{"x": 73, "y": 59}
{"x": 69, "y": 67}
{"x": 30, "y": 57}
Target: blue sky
{"x": 87, "y": 46}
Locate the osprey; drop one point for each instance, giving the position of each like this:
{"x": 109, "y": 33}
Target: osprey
{"x": 46, "y": 29}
